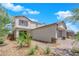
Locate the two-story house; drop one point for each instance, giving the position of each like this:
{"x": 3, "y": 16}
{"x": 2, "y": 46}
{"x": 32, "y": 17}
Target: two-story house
{"x": 46, "y": 33}
{"x": 70, "y": 34}
{"x": 22, "y": 23}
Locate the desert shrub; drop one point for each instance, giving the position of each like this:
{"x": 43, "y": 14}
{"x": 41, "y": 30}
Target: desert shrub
{"x": 1, "y": 41}
{"x": 32, "y": 51}
{"x": 75, "y": 50}
{"x": 36, "y": 47}
{"x": 47, "y": 51}
{"x": 77, "y": 36}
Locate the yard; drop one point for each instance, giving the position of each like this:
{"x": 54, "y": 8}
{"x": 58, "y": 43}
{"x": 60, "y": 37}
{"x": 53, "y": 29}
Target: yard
{"x": 10, "y": 48}
{"x": 27, "y": 46}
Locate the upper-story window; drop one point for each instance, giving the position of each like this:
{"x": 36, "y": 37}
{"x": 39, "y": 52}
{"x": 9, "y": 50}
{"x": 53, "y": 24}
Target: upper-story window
{"x": 23, "y": 23}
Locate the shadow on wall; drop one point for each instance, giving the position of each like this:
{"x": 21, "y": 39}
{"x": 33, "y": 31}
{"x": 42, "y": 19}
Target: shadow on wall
{"x": 53, "y": 40}
{"x": 11, "y": 36}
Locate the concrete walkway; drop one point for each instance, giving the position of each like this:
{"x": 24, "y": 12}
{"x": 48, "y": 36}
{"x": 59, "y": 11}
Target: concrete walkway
{"x": 64, "y": 44}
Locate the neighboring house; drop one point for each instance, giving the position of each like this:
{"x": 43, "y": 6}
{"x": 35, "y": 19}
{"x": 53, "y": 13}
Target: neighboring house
{"x": 70, "y": 34}
{"x": 50, "y": 33}
{"x": 46, "y": 33}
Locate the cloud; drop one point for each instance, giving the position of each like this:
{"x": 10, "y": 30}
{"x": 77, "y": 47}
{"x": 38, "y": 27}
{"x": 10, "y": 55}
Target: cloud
{"x": 30, "y": 11}
{"x": 70, "y": 26}
{"x": 13, "y": 7}
{"x": 24, "y": 13}
{"x": 18, "y": 8}
{"x": 33, "y": 19}
{"x": 63, "y": 14}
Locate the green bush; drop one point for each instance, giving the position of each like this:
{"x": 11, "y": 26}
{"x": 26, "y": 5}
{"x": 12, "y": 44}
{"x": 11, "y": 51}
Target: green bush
{"x": 36, "y": 47}
{"x": 47, "y": 51}
{"x": 24, "y": 38}
{"x": 1, "y": 41}
{"x": 77, "y": 36}
{"x": 32, "y": 51}
{"x": 75, "y": 50}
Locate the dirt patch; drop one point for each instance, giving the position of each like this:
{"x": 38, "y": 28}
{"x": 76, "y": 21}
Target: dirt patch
{"x": 10, "y": 49}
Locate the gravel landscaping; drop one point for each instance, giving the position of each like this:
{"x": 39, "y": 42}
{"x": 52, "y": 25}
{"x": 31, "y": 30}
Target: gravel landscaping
{"x": 61, "y": 48}
{"x": 10, "y": 49}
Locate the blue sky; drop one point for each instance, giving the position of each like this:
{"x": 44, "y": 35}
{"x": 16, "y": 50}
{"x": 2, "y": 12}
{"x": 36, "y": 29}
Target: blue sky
{"x": 43, "y": 12}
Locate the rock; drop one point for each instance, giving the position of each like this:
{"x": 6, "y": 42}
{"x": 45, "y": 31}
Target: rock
{"x": 62, "y": 52}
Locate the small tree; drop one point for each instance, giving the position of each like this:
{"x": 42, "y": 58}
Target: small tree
{"x": 4, "y": 20}
{"x": 74, "y": 19}
{"x": 24, "y": 38}
{"x": 75, "y": 16}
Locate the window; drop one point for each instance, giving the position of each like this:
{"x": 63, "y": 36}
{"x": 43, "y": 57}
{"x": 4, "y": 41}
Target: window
{"x": 23, "y": 23}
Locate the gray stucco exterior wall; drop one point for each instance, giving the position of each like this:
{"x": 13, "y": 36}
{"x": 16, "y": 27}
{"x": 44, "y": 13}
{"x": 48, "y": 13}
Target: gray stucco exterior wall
{"x": 44, "y": 33}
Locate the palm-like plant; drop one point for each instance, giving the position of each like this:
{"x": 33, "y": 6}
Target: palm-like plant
{"x": 75, "y": 16}
{"x": 74, "y": 19}
{"x": 23, "y": 39}
{"x": 28, "y": 39}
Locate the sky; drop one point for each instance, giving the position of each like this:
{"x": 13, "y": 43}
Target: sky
{"x": 43, "y": 12}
